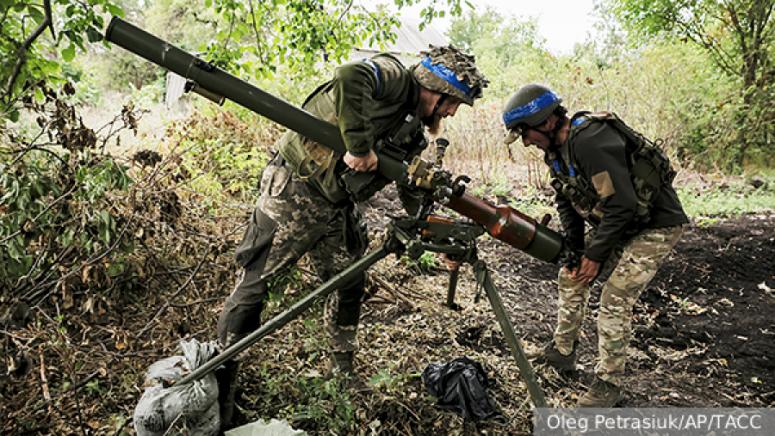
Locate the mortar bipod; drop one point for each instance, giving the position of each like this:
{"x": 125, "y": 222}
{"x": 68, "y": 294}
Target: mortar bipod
{"x": 402, "y": 236}
{"x": 459, "y": 240}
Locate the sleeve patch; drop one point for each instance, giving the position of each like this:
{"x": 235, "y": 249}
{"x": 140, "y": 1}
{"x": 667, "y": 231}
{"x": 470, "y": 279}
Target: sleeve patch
{"x": 603, "y": 184}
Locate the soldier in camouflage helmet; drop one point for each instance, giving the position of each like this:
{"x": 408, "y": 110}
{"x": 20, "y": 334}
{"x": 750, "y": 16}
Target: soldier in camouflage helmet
{"x": 306, "y": 206}
{"x": 449, "y": 71}
{"x": 611, "y": 177}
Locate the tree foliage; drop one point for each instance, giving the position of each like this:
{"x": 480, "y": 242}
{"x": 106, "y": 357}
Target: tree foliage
{"x": 255, "y": 38}
{"x": 501, "y": 45}
{"x": 739, "y": 35}
{"x": 64, "y": 25}
{"x": 665, "y": 88}
{"x": 258, "y": 37}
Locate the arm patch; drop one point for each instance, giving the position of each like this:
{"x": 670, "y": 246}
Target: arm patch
{"x": 603, "y": 184}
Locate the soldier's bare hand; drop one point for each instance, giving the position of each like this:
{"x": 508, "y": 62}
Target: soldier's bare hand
{"x": 362, "y": 163}
{"x": 587, "y": 271}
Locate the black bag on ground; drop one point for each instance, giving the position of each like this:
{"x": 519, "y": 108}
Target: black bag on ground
{"x": 460, "y": 385}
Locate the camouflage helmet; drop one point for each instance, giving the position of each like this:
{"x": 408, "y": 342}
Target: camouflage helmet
{"x": 447, "y": 70}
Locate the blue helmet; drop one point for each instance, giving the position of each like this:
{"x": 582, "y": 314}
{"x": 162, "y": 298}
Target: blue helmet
{"x": 530, "y": 106}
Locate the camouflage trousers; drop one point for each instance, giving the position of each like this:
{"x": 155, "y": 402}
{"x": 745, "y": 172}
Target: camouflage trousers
{"x": 290, "y": 220}
{"x": 634, "y": 265}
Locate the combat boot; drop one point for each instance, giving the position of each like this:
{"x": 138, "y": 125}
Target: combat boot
{"x": 551, "y": 355}
{"x": 342, "y": 362}
{"x": 601, "y": 394}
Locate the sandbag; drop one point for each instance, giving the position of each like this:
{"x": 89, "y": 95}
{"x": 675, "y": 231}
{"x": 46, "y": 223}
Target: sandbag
{"x": 274, "y": 427}
{"x": 191, "y": 408}
{"x": 460, "y": 385}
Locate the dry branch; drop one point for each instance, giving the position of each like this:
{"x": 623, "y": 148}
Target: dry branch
{"x": 175, "y": 294}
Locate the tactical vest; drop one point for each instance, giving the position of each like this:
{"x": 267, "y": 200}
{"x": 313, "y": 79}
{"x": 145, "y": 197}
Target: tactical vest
{"x": 648, "y": 165}
{"x": 324, "y": 168}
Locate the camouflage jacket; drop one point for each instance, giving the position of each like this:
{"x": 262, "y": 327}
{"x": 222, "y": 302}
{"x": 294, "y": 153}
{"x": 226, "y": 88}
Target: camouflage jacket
{"x": 596, "y": 159}
{"x": 369, "y": 100}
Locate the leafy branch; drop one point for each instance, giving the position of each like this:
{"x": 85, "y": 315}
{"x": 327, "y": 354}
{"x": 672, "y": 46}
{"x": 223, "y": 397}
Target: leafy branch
{"x": 21, "y": 54}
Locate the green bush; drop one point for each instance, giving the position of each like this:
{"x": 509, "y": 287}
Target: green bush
{"x": 223, "y": 152}
{"x": 55, "y": 214}
{"x": 65, "y": 223}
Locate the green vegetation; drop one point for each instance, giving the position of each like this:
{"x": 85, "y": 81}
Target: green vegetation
{"x": 63, "y": 25}
{"x": 729, "y": 198}
{"x": 324, "y": 404}
{"x": 737, "y": 36}
{"x": 426, "y": 263}
{"x": 58, "y": 208}
{"x": 664, "y": 85}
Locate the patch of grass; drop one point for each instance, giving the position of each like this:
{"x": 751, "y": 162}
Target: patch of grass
{"x": 497, "y": 187}
{"x": 306, "y": 401}
{"x": 730, "y": 199}
{"x": 280, "y": 282}
{"x": 534, "y": 207}
{"x": 325, "y": 404}
{"x": 389, "y": 380}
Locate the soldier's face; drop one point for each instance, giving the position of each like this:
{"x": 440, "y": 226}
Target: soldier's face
{"x": 432, "y": 105}
{"x": 433, "y": 108}
{"x": 533, "y": 136}
{"x": 448, "y": 107}
{"x": 542, "y": 135}
{"x": 428, "y": 101}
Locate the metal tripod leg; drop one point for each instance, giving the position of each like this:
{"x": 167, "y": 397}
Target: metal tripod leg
{"x": 484, "y": 279}
{"x": 287, "y": 316}
{"x": 453, "y": 278}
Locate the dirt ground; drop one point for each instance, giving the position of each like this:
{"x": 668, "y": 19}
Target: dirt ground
{"x": 703, "y": 337}
{"x": 703, "y": 331}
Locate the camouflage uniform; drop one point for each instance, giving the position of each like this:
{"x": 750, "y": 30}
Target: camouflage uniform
{"x": 292, "y": 219}
{"x": 634, "y": 265}
{"x": 631, "y": 249}
{"x": 303, "y": 207}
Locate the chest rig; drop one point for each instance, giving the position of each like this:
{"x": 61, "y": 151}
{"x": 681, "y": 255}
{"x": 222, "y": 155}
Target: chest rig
{"x": 648, "y": 166}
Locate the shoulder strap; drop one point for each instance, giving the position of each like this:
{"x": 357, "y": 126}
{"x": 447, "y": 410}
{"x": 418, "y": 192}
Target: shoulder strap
{"x": 325, "y": 87}
{"x": 377, "y": 73}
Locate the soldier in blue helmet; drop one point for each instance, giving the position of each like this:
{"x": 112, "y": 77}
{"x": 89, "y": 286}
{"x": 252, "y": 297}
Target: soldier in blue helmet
{"x": 618, "y": 182}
